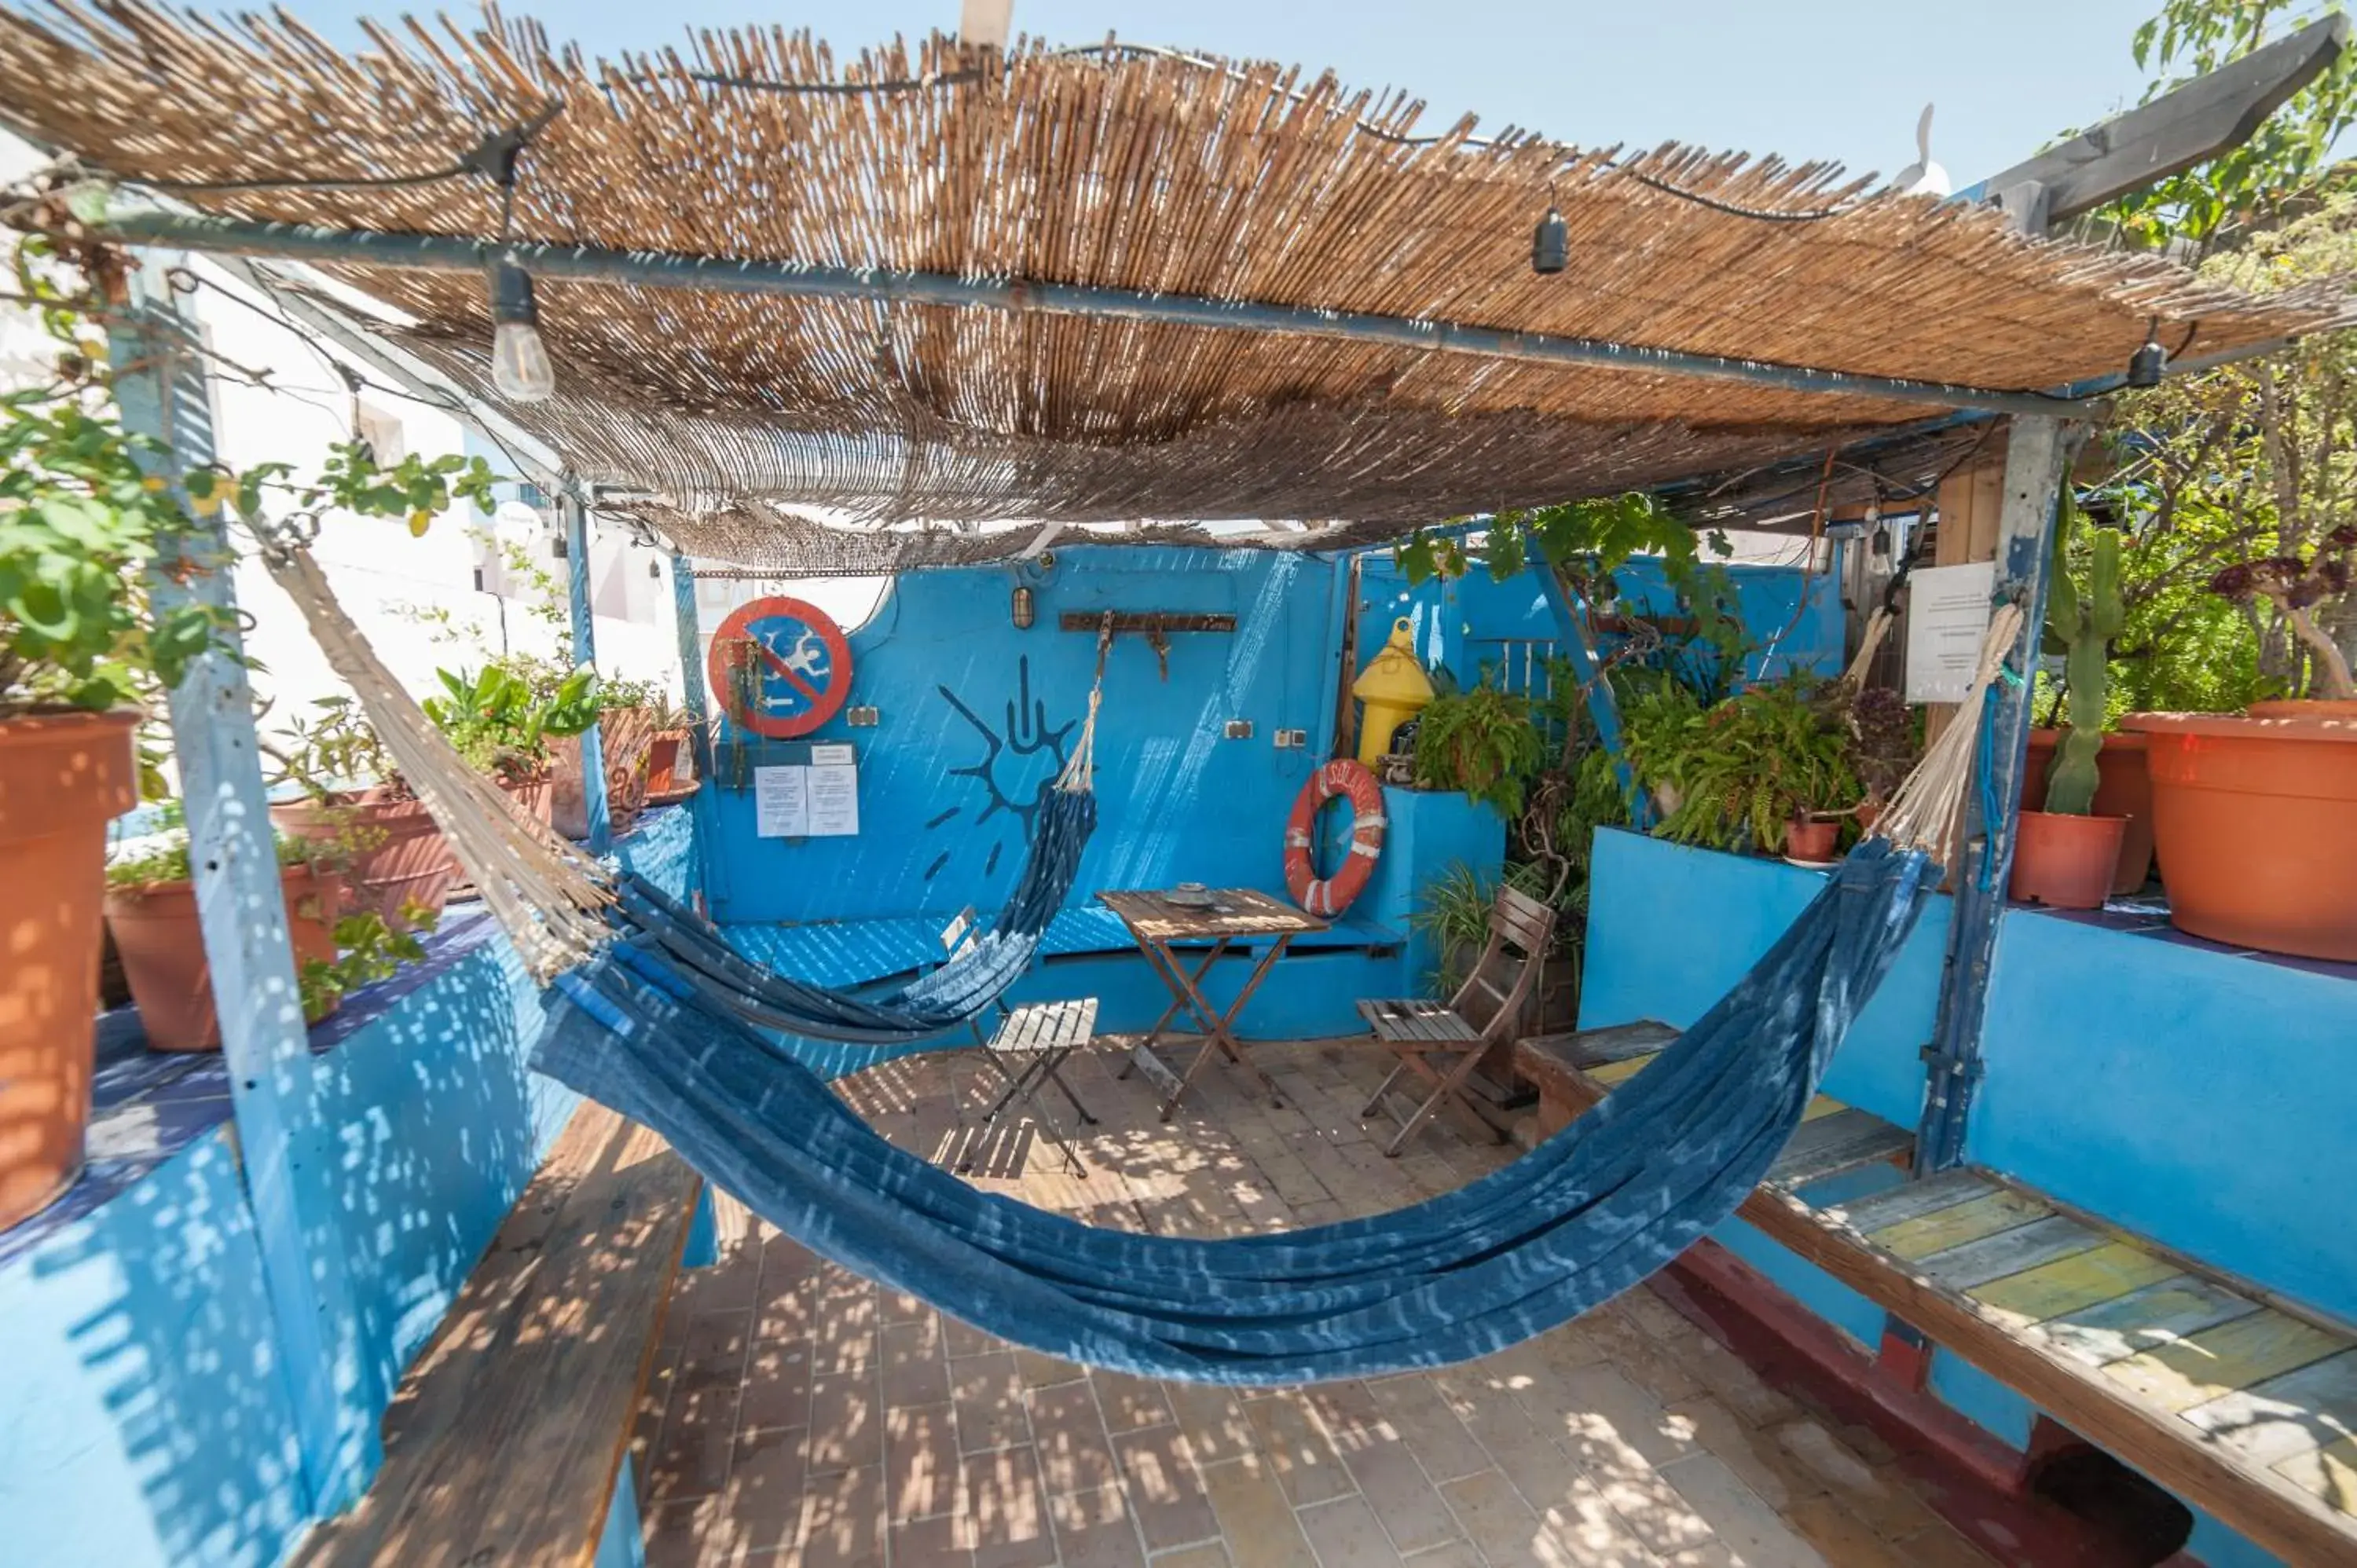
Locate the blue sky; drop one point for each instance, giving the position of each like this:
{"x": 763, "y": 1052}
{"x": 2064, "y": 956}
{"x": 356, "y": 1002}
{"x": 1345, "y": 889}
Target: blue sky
{"x": 1808, "y": 78}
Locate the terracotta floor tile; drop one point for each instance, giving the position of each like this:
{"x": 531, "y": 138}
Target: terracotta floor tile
{"x": 1258, "y": 1523}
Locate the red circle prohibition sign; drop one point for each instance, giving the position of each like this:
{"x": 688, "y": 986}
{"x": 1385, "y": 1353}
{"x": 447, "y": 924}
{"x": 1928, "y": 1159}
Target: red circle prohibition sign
{"x": 780, "y": 653}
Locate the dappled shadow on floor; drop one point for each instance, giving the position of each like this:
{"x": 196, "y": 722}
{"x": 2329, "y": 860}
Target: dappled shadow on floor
{"x": 798, "y": 1410}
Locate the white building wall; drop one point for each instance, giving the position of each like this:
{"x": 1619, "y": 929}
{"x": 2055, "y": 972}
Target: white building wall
{"x": 417, "y": 600}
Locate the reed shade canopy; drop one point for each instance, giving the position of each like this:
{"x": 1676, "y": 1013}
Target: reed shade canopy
{"x": 1109, "y": 168}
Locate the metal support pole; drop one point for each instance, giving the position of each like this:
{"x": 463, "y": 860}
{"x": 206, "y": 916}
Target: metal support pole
{"x": 290, "y": 1160}
{"x": 584, "y": 651}
{"x": 2035, "y": 462}
{"x": 734, "y": 274}
{"x": 699, "y": 710}
{"x": 1578, "y": 643}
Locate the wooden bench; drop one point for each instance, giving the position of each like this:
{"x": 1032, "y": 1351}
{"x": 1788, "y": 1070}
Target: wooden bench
{"x": 504, "y": 1442}
{"x": 2241, "y": 1402}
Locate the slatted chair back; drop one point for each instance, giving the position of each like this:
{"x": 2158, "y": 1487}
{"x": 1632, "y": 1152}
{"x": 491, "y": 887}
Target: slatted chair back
{"x": 1521, "y": 928}
{"x": 959, "y": 934}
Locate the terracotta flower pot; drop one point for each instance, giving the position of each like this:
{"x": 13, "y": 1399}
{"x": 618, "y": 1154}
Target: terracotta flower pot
{"x": 63, "y": 777}
{"x": 155, "y": 926}
{"x": 662, "y": 761}
{"x": 2254, "y": 819}
{"x": 625, "y": 736}
{"x": 1805, "y": 839}
{"x": 409, "y": 860}
{"x": 2123, "y": 788}
{"x": 2066, "y": 862}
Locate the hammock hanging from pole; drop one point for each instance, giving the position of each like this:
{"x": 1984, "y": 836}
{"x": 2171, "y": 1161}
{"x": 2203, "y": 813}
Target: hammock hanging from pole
{"x": 1599, "y": 1207}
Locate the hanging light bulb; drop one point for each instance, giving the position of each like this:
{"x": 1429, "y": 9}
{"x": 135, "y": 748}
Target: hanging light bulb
{"x": 520, "y": 366}
{"x": 2150, "y": 362}
{"x": 1550, "y": 244}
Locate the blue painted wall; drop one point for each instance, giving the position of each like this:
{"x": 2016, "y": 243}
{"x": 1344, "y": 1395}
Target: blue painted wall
{"x": 976, "y": 718}
{"x": 142, "y": 1416}
{"x": 2196, "y": 1097}
{"x": 1459, "y": 623}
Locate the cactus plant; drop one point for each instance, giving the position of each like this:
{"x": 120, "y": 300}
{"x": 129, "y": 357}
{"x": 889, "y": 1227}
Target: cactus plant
{"x": 2081, "y": 624}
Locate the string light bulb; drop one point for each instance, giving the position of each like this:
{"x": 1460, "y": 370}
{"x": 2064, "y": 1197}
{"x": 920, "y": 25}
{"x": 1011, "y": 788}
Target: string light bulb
{"x": 1550, "y": 244}
{"x": 2150, "y": 362}
{"x": 520, "y": 368}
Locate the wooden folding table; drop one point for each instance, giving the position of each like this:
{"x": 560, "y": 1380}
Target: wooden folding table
{"x": 1229, "y": 915}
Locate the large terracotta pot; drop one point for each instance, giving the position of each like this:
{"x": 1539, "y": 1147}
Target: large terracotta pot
{"x": 63, "y": 777}
{"x": 156, "y": 929}
{"x": 2254, "y": 819}
{"x": 624, "y": 736}
{"x": 408, "y": 860}
{"x": 2065, "y": 861}
{"x": 2123, "y": 788}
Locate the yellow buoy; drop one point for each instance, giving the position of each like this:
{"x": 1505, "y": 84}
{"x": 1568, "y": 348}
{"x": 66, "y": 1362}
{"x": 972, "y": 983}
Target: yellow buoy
{"x": 1394, "y": 688}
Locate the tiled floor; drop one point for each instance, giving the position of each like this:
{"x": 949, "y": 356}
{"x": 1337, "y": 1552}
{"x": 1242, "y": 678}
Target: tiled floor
{"x": 799, "y": 1416}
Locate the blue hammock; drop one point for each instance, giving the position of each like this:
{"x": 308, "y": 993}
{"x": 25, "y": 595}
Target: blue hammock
{"x": 1591, "y": 1212}
{"x": 700, "y": 961}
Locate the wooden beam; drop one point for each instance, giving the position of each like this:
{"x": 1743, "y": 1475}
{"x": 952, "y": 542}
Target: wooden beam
{"x": 2272, "y": 1511}
{"x": 2208, "y": 115}
{"x": 291, "y": 1156}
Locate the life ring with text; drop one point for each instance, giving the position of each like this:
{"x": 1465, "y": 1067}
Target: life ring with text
{"x": 1329, "y": 895}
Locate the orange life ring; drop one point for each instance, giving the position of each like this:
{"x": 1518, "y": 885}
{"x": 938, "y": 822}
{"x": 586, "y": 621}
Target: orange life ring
{"x": 1329, "y": 896}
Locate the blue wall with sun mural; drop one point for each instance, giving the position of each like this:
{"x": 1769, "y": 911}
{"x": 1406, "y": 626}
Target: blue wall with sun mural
{"x": 975, "y": 718}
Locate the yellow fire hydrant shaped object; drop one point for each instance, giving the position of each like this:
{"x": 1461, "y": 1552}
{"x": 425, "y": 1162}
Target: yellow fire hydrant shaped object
{"x": 1394, "y": 688}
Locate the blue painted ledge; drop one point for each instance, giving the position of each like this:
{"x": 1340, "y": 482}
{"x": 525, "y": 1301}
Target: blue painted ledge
{"x": 143, "y": 1419}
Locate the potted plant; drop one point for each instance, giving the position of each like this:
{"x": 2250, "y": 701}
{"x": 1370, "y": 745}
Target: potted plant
{"x": 503, "y": 717}
{"x": 668, "y": 759}
{"x": 2255, "y": 814}
{"x": 1769, "y": 769}
{"x": 1885, "y": 740}
{"x": 2068, "y": 856}
{"x": 355, "y": 800}
{"x": 81, "y": 646}
{"x": 151, "y": 912}
{"x": 1480, "y": 743}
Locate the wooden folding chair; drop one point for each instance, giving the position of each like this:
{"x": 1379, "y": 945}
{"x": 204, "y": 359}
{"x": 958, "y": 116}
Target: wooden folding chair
{"x": 1037, "y": 1037}
{"x": 1435, "y": 1043}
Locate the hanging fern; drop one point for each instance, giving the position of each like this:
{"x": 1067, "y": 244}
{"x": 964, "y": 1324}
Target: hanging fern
{"x": 1481, "y": 742}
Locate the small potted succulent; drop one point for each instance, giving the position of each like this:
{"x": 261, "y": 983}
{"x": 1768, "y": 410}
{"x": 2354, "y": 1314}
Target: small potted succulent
{"x": 2068, "y": 856}
{"x": 2255, "y": 814}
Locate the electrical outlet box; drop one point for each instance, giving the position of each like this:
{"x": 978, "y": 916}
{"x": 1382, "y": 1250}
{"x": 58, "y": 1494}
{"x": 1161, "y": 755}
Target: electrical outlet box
{"x": 1293, "y": 740}
{"x": 1240, "y": 729}
{"x": 860, "y": 718}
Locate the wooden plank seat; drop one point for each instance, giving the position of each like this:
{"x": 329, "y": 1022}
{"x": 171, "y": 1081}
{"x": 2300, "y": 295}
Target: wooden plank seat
{"x": 2241, "y": 1402}
{"x": 1438, "y": 1046}
{"x": 1036, "y": 1038}
{"x": 504, "y": 1442}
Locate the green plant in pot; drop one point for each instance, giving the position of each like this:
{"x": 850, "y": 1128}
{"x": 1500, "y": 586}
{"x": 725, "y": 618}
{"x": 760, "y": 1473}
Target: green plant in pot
{"x": 2067, "y": 855}
{"x": 2255, "y": 814}
{"x": 1480, "y": 742}
{"x": 1770, "y": 769}
{"x": 151, "y": 912}
{"x": 355, "y": 802}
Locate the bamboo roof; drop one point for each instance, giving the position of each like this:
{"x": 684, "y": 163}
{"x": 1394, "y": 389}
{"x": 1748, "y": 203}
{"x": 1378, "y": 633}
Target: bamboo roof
{"x": 1107, "y": 166}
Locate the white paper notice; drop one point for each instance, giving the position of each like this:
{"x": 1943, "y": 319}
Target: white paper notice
{"x": 834, "y": 755}
{"x": 834, "y": 801}
{"x": 782, "y": 803}
{"x": 1947, "y": 615}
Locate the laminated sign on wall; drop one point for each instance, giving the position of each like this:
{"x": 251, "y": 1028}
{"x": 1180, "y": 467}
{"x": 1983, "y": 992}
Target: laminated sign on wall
{"x": 817, "y": 800}
{"x": 1947, "y": 615}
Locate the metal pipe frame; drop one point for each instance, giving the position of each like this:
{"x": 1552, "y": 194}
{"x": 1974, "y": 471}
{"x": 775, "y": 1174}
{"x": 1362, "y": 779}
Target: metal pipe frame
{"x": 585, "y": 652}
{"x": 719, "y": 275}
{"x": 2036, "y": 469}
